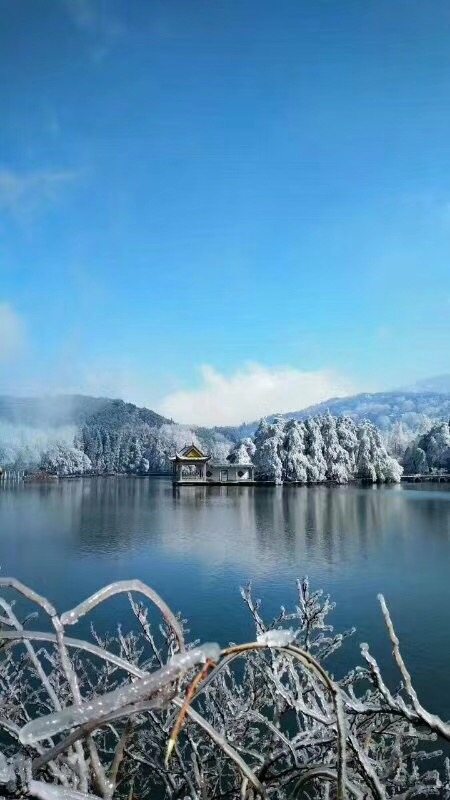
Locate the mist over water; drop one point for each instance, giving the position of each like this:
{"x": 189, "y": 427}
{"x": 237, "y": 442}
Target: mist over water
{"x": 198, "y": 545}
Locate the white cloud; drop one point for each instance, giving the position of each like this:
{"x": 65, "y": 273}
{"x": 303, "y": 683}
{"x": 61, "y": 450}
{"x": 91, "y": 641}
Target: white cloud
{"x": 12, "y": 332}
{"x": 22, "y": 194}
{"x": 251, "y": 392}
{"x": 100, "y": 380}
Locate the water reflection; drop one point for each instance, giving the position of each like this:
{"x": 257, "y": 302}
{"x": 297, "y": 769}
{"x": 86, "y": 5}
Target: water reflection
{"x": 333, "y": 525}
{"x": 251, "y": 526}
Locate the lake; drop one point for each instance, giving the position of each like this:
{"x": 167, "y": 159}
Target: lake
{"x": 198, "y": 545}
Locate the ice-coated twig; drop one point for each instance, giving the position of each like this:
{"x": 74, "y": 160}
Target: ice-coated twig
{"x": 72, "y": 616}
{"x": 160, "y": 700}
{"x": 6, "y": 771}
{"x": 431, "y": 720}
{"x": 276, "y": 731}
{"x": 32, "y": 653}
{"x": 78, "y": 644}
{"x": 71, "y": 717}
{"x": 258, "y": 728}
{"x": 30, "y": 594}
{"x": 312, "y": 664}
{"x": 368, "y": 770}
{"x": 118, "y": 755}
{"x": 45, "y": 604}
{"x": 72, "y": 680}
{"x": 225, "y": 746}
{"x": 391, "y": 702}
{"x": 45, "y": 791}
{"x": 321, "y": 771}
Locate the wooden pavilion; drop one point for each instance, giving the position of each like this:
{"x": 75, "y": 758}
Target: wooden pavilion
{"x": 189, "y": 465}
{"x": 192, "y": 466}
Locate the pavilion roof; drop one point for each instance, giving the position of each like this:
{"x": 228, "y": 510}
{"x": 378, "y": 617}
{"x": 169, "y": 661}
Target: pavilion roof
{"x": 192, "y": 454}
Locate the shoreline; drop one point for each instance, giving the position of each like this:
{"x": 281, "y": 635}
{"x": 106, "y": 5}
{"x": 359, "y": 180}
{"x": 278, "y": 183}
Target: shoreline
{"x": 48, "y": 478}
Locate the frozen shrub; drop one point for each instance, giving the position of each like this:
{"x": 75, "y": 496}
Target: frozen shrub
{"x": 145, "y": 714}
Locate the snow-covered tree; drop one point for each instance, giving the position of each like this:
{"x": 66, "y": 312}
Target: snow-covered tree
{"x": 134, "y": 455}
{"x": 398, "y": 439}
{"x": 268, "y": 450}
{"x": 373, "y": 463}
{"x": 242, "y": 452}
{"x": 321, "y": 449}
{"x": 317, "y": 466}
{"x": 415, "y": 461}
{"x": 295, "y": 462}
{"x": 107, "y": 452}
{"x": 338, "y": 460}
{"x": 365, "y": 468}
{"x": 144, "y": 465}
{"x": 219, "y": 450}
{"x": 61, "y": 459}
{"x": 431, "y": 452}
{"x": 347, "y": 432}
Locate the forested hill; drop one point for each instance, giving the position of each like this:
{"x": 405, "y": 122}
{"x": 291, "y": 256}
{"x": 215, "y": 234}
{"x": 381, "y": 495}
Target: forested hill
{"x": 414, "y": 410}
{"x": 63, "y": 410}
{"x": 111, "y": 434}
{"x": 115, "y": 414}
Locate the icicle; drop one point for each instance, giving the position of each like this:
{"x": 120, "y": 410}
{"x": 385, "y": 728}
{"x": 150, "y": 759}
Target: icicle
{"x": 277, "y": 638}
{"x": 142, "y": 688}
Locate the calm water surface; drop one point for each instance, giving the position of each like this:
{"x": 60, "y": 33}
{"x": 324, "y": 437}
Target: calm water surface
{"x": 197, "y": 546}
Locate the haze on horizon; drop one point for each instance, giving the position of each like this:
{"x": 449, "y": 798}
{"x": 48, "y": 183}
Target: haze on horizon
{"x": 223, "y": 211}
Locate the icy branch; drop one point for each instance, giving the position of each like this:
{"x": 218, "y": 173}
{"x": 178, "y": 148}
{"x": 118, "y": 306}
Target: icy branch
{"x": 45, "y": 727}
{"x": 276, "y": 638}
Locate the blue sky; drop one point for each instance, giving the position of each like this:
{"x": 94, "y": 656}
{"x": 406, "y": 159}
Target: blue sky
{"x": 205, "y": 200}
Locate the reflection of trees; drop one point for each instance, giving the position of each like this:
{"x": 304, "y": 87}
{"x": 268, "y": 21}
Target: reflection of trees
{"x": 116, "y": 513}
{"x": 336, "y": 525}
{"x": 258, "y": 525}
{"x": 251, "y": 527}
{"x": 318, "y": 522}
{"x": 254, "y": 527}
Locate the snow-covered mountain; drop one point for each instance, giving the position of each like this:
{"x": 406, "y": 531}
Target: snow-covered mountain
{"x": 414, "y": 410}
{"x": 440, "y": 384}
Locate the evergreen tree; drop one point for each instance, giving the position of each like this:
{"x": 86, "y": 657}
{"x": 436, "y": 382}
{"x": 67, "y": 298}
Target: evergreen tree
{"x": 268, "y": 442}
{"x": 295, "y": 462}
